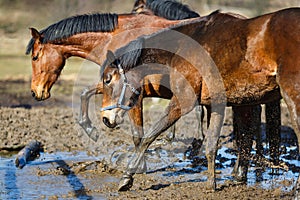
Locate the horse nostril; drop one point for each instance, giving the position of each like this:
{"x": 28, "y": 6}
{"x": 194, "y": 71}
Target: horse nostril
{"x": 106, "y": 121}
{"x": 32, "y": 93}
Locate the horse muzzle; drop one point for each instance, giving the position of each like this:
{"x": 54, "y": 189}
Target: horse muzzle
{"x": 111, "y": 119}
{"x": 40, "y": 96}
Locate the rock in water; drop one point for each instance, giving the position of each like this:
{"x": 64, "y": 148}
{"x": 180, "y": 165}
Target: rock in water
{"x": 28, "y": 153}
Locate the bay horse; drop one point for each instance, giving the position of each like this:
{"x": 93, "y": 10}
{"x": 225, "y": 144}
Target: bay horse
{"x": 244, "y": 118}
{"x": 224, "y": 61}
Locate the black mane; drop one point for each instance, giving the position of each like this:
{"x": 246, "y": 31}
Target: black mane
{"x": 77, "y": 24}
{"x": 170, "y": 9}
{"x": 128, "y": 55}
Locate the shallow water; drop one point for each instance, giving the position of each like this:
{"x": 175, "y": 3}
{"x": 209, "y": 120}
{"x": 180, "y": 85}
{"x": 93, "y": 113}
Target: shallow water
{"x": 27, "y": 184}
{"x": 267, "y": 178}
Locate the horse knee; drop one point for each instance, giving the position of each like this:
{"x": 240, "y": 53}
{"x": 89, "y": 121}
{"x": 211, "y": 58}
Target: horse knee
{"x": 84, "y": 93}
{"x": 136, "y": 140}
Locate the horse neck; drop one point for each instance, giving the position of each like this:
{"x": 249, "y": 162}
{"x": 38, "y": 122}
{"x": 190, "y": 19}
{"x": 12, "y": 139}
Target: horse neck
{"x": 94, "y": 46}
{"x": 91, "y": 46}
{"x": 156, "y": 63}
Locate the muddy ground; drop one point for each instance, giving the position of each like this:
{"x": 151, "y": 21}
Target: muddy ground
{"x": 54, "y": 123}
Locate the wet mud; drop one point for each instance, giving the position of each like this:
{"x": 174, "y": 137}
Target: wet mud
{"x": 74, "y": 166}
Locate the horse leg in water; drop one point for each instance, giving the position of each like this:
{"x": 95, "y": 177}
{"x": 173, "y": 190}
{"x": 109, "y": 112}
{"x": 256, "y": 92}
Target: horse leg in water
{"x": 243, "y": 126}
{"x": 246, "y": 121}
{"x": 171, "y": 115}
{"x": 289, "y": 82}
{"x": 273, "y": 123}
{"x": 292, "y": 101}
{"x": 84, "y": 120}
{"x": 199, "y": 136}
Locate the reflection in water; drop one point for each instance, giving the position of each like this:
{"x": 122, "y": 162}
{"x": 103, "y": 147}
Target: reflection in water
{"x": 10, "y": 188}
{"x": 27, "y": 184}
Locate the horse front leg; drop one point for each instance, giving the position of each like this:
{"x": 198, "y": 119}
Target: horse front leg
{"x": 84, "y": 120}
{"x": 170, "y": 116}
{"x": 136, "y": 119}
{"x": 213, "y": 134}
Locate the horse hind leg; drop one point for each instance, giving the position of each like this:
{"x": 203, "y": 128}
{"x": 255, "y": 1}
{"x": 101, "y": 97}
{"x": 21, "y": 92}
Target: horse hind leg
{"x": 290, "y": 89}
{"x": 295, "y": 120}
{"x": 291, "y": 96}
{"x": 247, "y": 122}
{"x": 273, "y": 124}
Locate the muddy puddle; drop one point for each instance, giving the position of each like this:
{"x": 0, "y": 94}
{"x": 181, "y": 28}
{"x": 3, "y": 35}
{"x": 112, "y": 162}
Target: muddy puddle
{"x": 68, "y": 175}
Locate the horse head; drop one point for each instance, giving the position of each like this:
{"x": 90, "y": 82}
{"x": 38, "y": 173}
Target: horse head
{"x": 119, "y": 91}
{"x": 47, "y": 63}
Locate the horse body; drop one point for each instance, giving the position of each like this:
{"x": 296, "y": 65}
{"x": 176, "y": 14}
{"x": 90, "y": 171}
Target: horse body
{"x": 248, "y": 77}
{"x": 256, "y": 61}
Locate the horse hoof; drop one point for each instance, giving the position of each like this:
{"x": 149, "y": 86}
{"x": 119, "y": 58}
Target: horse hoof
{"x": 211, "y": 186}
{"x": 93, "y": 134}
{"x": 240, "y": 179}
{"x": 240, "y": 175}
{"x": 125, "y": 183}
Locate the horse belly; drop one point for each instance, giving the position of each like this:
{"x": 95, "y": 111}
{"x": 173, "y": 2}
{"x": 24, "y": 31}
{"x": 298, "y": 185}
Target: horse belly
{"x": 246, "y": 90}
{"x": 253, "y": 88}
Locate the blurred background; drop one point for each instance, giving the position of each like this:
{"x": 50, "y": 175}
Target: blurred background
{"x": 16, "y": 16}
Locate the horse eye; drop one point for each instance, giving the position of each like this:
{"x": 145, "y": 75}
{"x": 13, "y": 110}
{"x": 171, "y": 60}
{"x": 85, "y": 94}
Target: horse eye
{"x": 107, "y": 79}
{"x": 34, "y": 58}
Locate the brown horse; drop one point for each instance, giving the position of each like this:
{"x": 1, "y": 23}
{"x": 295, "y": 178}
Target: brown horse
{"x": 244, "y": 118}
{"x": 243, "y": 62}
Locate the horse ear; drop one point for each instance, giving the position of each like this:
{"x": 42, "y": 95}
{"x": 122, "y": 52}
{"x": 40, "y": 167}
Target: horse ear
{"x": 35, "y": 34}
{"x": 110, "y": 56}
